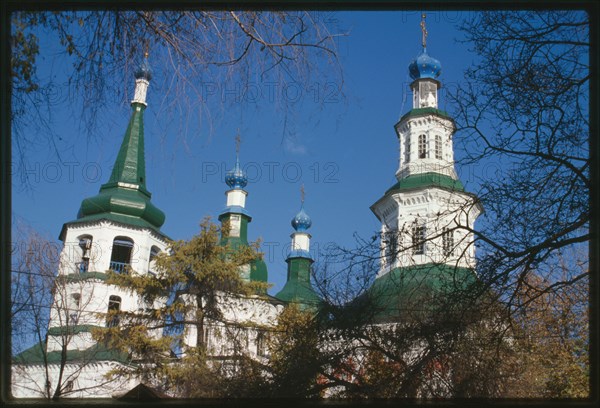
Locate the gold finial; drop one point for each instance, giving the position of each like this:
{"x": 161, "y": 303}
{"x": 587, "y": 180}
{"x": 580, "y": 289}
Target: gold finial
{"x": 424, "y": 30}
{"x": 302, "y": 193}
{"x": 238, "y": 141}
{"x": 146, "y": 48}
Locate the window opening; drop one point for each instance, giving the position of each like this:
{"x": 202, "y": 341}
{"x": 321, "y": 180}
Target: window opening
{"x": 85, "y": 243}
{"x": 154, "y": 251}
{"x": 114, "y": 306}
{"x": 418, "y": 239}
{"x": 438, "y": 147}
{"x": 120, "y": 258}
{"x": 422, "y": 146}
{"x": 448, "y": 241}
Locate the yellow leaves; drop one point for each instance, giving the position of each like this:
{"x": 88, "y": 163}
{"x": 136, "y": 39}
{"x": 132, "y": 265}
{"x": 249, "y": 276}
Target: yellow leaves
{"x": 552, "y": 328}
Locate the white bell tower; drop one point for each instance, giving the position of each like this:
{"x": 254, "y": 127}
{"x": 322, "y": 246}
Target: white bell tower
{"x": 426, "y": 217}
{"x": 116, "y": 230}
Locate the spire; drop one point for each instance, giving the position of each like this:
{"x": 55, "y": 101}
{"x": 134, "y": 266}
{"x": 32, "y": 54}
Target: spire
{"x": 124, "y": 197}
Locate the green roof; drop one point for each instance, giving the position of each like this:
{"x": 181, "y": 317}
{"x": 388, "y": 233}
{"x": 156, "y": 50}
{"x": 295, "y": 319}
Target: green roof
{"x": 410, "y": 291}
{"x": 62, "y": 330}
{"x": 82, "y": 276}
{"x": 298, "y": 288}
{"x": 425, "y": 111}
{"x": 424, "y": 180}
{"x": 124, "y": 198}
{"x": 98, "y": 352}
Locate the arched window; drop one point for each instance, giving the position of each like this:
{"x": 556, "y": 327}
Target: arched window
{"x": 154, "y": 251}
{"x": 391, "y": 246}
{"x": 85, "y": 243}
{"x": 448, "y": 241}
{"x": 418, "y": 239}
{"x": 422, "y": 146}
{"x": 261, "y": 344}
{"x": 407, "y": 152}
{"x": 438, "y": 147}
{"x": 121, "y": 254}
{"x": 68, "y": 387}
{"x": 75, "y": 300}
{"x": 74, "y": 303}
{"x": 114, "y": 306}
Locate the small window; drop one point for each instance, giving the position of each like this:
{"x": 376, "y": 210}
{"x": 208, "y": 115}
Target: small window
{"x": 422, "y": 146}
{"x": 391, "y": 246}
{"x": 154, "y": 251}
{"x": 73, "y": 319}
{"x": 418, "y": 239}
{"x": 408, "y": 149}
{"x": 207, "y": 335}
{"x": 235, "y": 224}
{"x": 85, "y": 243}
{"x": 438, "y": 147}
{"x": 261, "y": 344}
{"x": 68, "y": 387}
{"x": 114, "y": 306}
{"x": 75, "y": 300}
{"x": 448, "y": 241}
{"x": 120, "y": 258}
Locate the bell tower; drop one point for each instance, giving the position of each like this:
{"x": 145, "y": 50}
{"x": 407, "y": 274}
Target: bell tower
{"x": 427, "y": 216}
{"x": 116, "y": 230}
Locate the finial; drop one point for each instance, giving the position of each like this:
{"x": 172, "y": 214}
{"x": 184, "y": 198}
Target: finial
{"x": 238, "y": 141}
{"x": 146, "y": 48}
{"x": 301, "y": 222}
{"x": 236, "y": 177}
{"x": 424, "y": 30}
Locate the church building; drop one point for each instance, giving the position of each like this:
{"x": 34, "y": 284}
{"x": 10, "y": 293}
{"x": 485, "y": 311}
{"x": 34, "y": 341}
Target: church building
{"x": 426, "y": 223}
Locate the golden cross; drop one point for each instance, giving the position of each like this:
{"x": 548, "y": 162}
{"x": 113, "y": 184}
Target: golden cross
{"x": 424, "y": 30}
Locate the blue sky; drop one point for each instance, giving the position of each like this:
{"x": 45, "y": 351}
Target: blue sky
{"x": 343, "y": 148}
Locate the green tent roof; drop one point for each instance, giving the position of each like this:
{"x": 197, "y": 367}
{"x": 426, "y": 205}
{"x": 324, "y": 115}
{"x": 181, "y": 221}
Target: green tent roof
{"x": 124, "y": 198}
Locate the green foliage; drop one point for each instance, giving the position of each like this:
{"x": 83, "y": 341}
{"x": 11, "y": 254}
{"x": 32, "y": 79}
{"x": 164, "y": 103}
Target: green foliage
{"x": 296, "y": 359}
{"x": 191, "y": 275}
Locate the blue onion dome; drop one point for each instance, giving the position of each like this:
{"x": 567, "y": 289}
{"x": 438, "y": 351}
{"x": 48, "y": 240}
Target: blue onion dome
{"x": 144, "y": 70}
{"x": 424, "y": 66}
{"x": 236, "y": 178}
{"x": 301, "y": 221}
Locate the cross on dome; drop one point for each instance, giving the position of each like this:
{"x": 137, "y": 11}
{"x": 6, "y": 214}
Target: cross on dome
{"x": 424, "y": 66}
{"x": 301, "y": 222}
{"x": 236, "y": 177}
